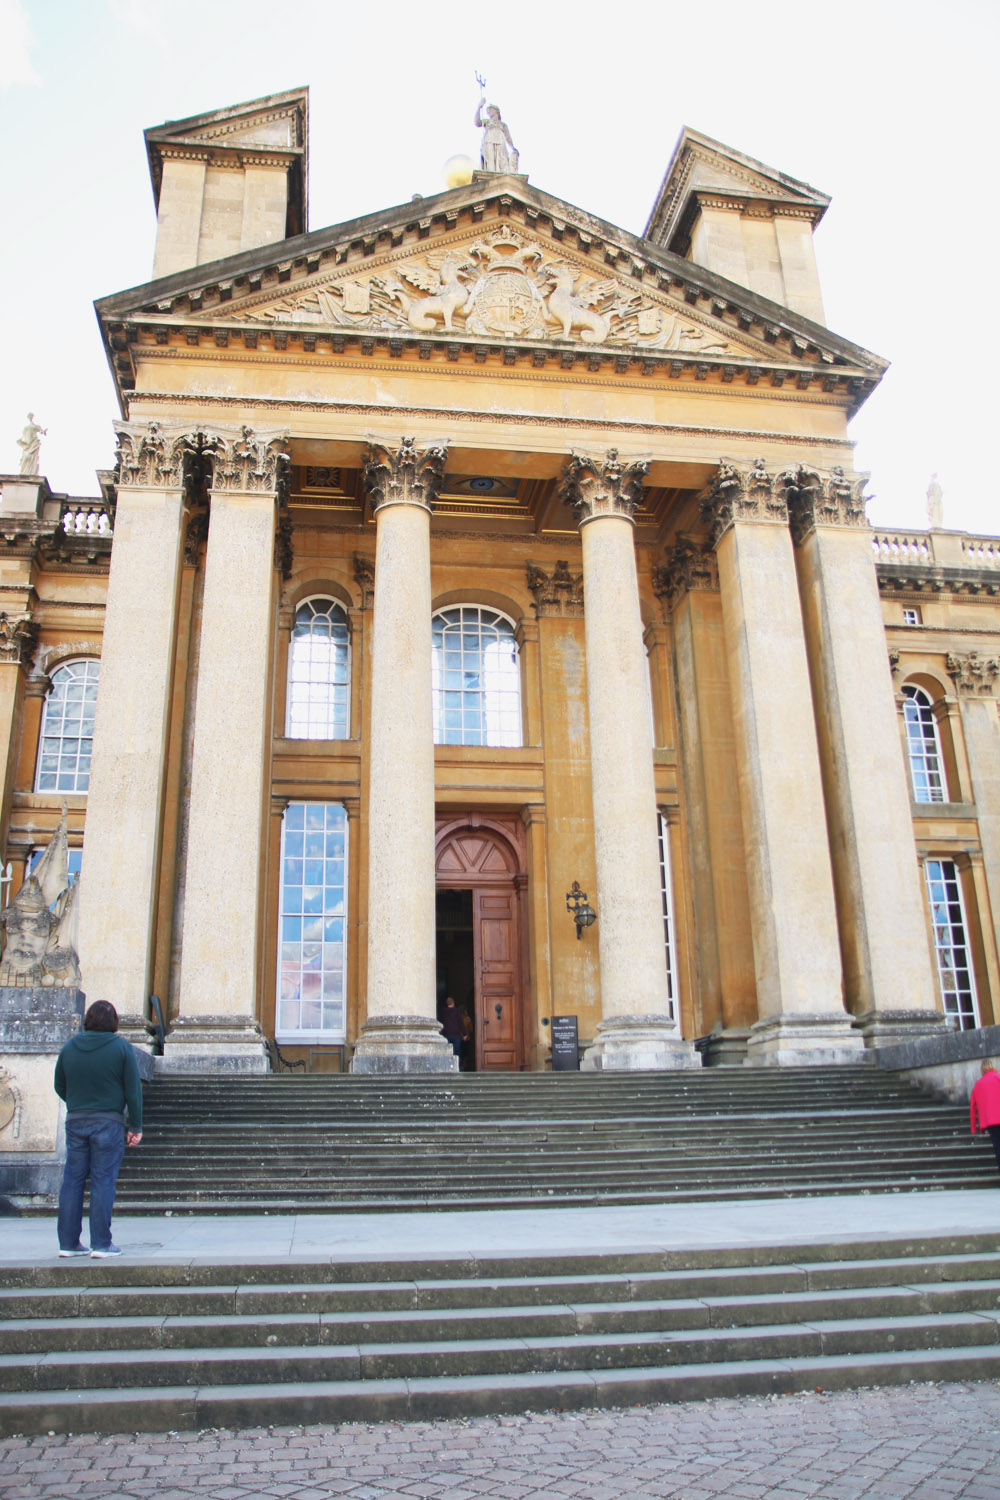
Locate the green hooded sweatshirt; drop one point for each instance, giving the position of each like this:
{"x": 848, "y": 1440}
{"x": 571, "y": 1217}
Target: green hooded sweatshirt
{"x": 96, "y": 1073}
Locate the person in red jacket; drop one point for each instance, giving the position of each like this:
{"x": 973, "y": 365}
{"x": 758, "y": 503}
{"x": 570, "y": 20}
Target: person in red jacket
{"x": 984, "y": 1106}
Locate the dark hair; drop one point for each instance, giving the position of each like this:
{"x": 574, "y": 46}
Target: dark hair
{"x": 101, "y": 1016}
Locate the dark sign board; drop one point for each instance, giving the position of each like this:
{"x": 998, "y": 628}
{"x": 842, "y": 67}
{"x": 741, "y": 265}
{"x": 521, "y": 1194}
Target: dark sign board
{"x": 565, "y": 1044}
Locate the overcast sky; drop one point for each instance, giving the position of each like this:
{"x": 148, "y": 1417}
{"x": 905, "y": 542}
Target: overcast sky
{"x": 888, "y": 105}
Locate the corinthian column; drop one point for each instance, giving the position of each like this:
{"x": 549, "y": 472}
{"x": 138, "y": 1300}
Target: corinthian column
{"x": 401, "y": 1033}
{"x": 122, "y": 843}
{"x": 792, "y": 912}
{"x": 636, "y": 1030}
{"x": 880, "y": 906}
{"x": 216, "y": 1027}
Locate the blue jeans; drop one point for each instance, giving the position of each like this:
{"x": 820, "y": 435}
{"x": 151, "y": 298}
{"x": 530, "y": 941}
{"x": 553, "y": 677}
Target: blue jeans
{"x": 94, "y": 1148}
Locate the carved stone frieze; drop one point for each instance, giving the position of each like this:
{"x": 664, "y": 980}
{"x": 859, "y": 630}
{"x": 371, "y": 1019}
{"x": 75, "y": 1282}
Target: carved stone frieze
{"x": 557, "y": 593}
{"x": 975, "y": 676}
{"x": 364, "y": 577}
{"x": 603, "y": 487}
{"x": 741, "y": 494}
{"x": 250, "y": 462}
{"x": 818, "y": 498}
{"x": 18, "y": 635}
{"x": 503, "y": 285}
{"x": 407, "y": 475}
{"x": 688, "y": 565}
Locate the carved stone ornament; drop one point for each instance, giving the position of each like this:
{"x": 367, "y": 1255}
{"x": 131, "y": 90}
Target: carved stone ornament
{"x": 893, "y": 660}
{"x": 741, "y": 494}
{"x": 503, "y": 285}
{"x": 686, "y": 566}
{"x": 39, "y": 925}
{"x": 195, "y": 535}
{"x": 407, "y": 475}
{"x": 557, "y": 593}
{"x": 364, "y": 577}
{"x": 975, "y": 676}
{"x": 593, "y": 487}
{"x": 151, "y": 455}
{"x": 251, "y": 463}
{"x": 819, "y": 498}
{"x": 17, "y": 638}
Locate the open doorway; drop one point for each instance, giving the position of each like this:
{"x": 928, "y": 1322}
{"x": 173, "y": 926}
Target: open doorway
{"x": 456, "y": 968}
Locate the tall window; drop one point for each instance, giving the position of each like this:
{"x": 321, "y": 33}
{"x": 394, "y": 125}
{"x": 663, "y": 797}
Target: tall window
{"x": 476, "y": 678}
{"x": 955, "y": 976}
{"x": 666, "y": 891}
{"x": 67, "y": 736}
{"x": 923, "y": 745}
{"x": 312, "y": 948}
{"x": 319, "y": 673}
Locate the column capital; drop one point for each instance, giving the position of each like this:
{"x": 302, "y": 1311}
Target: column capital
{"x": 557, "y": 593}
{"x": 974, "y": 676}
{"x": 364, "y": 577}
{"x": 406, "y": 475}
{"x": 817, "y": 497}
{"x": 595, "y": 487}
{"x": 687, "y": 565}
{"x": 248, "y": 461}
{"x": 18, "y": 638}
{"x": 741, "y": 494}
{"x": 151, "y": 455}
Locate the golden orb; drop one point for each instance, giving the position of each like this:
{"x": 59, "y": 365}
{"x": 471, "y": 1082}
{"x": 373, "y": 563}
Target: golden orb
{"x": 458, "y": 170}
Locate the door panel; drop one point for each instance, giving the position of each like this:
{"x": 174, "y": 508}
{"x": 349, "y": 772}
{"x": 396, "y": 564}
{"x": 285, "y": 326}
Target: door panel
{"x": 497, "y": 973}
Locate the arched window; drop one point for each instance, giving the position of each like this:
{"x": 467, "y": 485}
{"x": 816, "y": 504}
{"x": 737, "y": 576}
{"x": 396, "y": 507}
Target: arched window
{"x": 923, "y": 746}
{"x": 475, "y": 676}
{"x": 319, "y": 673}
{"x": 67, "y": 736}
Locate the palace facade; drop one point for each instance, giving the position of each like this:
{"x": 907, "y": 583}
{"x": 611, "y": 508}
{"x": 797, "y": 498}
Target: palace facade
{"x": 474, "y": 571}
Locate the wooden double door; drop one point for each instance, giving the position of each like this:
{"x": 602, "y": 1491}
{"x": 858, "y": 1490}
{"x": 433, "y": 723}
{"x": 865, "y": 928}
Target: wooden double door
{"x": 480, "y": 940}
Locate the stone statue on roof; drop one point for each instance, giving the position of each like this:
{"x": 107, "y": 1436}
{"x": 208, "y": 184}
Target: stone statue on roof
{"x": 496, "y": 152}
{"x": 30, "y": 443}
{"x": 935, "y": 504}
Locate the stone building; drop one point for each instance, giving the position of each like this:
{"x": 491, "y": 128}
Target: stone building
{"x": 474, "y": 553}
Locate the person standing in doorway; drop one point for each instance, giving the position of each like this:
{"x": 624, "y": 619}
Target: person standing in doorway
{"x": 452, "y": 1025}
{"x": 984, "y": 1106}
{"x": 97, "y": 1077}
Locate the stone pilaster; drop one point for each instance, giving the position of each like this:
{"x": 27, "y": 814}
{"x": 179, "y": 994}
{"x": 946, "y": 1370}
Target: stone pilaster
{"x": 792, "y": 908}
{"x": 687, "y": 582}
{"x": 880, "y": 907}
{"x": 118, "y": 886}
{"x": 977, "y": 681}
{"x": 216, "y": 1027}
{"x": 636, "y": 1030}
{"x": 401, "y": 1033}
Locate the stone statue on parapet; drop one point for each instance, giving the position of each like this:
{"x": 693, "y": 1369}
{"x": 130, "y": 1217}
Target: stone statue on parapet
{"x": 39, "y": 925}
{"x": 30, "y": 443}
{"x": 935, "y": 504}
{"x": 496, "y": 152}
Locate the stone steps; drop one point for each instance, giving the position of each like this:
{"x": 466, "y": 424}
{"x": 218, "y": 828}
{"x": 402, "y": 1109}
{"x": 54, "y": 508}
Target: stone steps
{"x": 102, "y": 1346}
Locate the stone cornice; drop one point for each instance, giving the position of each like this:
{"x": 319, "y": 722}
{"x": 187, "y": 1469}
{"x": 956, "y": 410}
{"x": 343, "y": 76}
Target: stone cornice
{"x": 594, "y": 487}
{"x": 741, "y": 494}
{"x": 407, "y": 475}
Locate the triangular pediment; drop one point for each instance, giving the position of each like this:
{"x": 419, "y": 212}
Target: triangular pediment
{"x": 275, "y": 125}
{"x": 701, "y": 166}
{"x": 495, "y": 264}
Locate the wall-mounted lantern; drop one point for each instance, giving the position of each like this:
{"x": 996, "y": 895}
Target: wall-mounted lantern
{"x": 576, "y": 904}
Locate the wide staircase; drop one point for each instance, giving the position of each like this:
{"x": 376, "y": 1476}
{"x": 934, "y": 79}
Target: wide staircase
{"x": 105, "y": 1346}
{"x": 287, "y": 1144}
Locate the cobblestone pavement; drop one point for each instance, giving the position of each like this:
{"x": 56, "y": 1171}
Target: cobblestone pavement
{"x": 919, "y": 1442}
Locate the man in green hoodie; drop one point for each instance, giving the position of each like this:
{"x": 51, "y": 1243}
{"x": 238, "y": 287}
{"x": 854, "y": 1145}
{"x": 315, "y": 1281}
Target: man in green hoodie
{"x": 98, "y": 1078}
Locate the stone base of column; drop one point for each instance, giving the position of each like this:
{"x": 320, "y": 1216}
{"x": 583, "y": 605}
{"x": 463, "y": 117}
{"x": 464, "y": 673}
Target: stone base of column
{"x": 725, "y": 1049}
{"x": 214, "y": 1044}
{"x": 803, "y": 1041}
{"x": 638, "y": 1044}
{"x": 403, "y": 1044}
{"x": 887, "y": 1028}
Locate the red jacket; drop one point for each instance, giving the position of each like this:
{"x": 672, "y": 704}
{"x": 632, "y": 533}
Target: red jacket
{"x": 985, "y": 1102}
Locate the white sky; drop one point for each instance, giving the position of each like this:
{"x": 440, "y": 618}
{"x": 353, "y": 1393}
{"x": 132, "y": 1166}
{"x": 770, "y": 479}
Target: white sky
{"x": 888, "y": 105}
